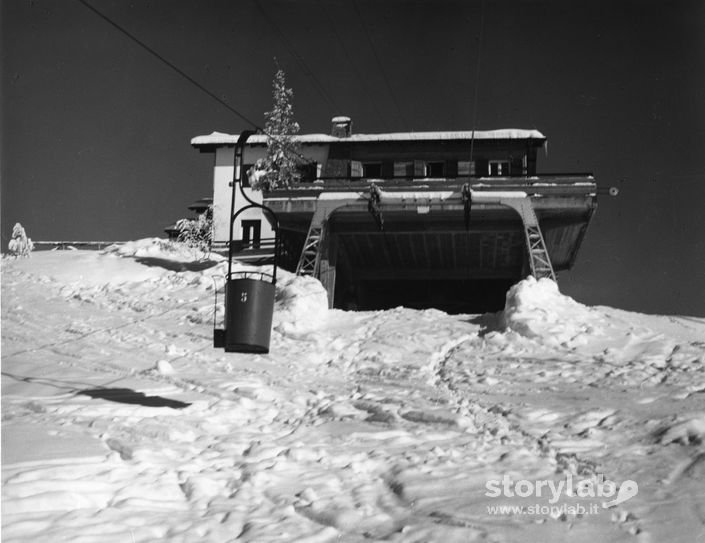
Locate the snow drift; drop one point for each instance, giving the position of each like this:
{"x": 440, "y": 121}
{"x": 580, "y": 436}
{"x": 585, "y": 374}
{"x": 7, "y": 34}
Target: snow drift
{"x": 537, "y": 309}
{"x": 122, "y": 422}
{"x": 301, "y": 304}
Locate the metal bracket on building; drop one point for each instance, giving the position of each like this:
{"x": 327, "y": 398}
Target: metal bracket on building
{"x": 374, "y": 205}
{"x": 310, "y": 259}
{"x": 539, "y": 259}
{"x": 467, "y": 204}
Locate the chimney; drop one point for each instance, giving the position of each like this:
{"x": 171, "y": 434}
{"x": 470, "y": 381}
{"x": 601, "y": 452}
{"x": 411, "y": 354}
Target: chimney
{"x": 341, "y": 126}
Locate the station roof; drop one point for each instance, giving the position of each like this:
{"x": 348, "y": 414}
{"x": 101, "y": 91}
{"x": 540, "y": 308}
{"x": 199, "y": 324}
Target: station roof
{"x": 217, "y": 139}
{"x": 203, "y": 203}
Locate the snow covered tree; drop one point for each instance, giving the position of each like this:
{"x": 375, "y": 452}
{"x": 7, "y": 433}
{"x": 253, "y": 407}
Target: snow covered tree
{"x": 20, "y": 244}
{"x": 283, "y": 153}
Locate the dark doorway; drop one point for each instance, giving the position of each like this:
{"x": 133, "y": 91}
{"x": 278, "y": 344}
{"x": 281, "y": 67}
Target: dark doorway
{"x": 452, "y": 296}
{"x": 245, "y": 169}
{"x": 251, "y": 234}
{"x": 435, "y": 169}
{"x": 372, "y": 169}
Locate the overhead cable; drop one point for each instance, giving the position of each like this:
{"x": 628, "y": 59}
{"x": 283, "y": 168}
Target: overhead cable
{"x": 184, "y": 74}
{"x": 379, "y": 63}
{"x": 348, "y": 57}
{"x": 170, "y": 64}
{"x": 299, "y": 59}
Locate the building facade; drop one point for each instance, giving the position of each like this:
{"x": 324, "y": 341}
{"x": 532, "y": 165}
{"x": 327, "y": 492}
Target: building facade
{"x": 445, "y": 219}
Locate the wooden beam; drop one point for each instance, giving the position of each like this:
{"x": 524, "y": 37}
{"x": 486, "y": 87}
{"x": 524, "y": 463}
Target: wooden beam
{"x": 414, "y": 251}
{"x": 327, "y": 278}
{"x": 397, "y": 246}
{"x": 435, "y": 274}
{"x": 426, "y": 253}
{"x": 329, "y": 258}
{"x": 453, "y": 251}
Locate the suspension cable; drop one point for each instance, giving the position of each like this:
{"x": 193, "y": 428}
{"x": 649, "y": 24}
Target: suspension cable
{"x": 348, "y": 57}
{"x": 185, "y": 75}
{"x": 477, "y": 80}
{"x": 379, "y": 63}
{"x": 299, "y": 59}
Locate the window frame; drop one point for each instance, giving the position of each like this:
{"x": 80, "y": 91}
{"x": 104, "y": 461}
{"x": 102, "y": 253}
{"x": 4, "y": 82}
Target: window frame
{"x": 502, "y": 164}
{"x": 251, "y": 233}
{"x": 403, "y": 169}
{"x": 429, "y": 164}
{"x": 467, "y": 169}
{"x": 374, "y": 165}
{"x": 308, "y": 172}
{"x": 245, "y": 168}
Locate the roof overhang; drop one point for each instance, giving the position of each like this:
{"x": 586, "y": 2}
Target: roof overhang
{"x": 220, "y": 139}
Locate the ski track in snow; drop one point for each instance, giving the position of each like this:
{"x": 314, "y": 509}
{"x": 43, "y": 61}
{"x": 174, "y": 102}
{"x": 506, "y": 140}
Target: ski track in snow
{"x": 122, "y": 423}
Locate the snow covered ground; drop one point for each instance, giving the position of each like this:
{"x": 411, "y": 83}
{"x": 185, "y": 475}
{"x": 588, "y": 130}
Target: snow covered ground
{"x": 121, "y": 422}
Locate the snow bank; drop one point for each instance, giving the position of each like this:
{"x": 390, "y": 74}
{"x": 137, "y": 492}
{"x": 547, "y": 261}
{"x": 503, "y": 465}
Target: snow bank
{"x": 158, "y": 248}
{"x": 537, "y": 310}
{"x": 122, "y": 422}
{"x": 85, "y": 270}
{"x": 301, "y": 304}
{"x": 685, "y": 430}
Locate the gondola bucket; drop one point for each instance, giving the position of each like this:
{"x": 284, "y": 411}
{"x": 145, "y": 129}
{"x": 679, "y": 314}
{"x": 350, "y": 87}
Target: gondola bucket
{"x": 249, "y": 295}
{"x": 249, "y": 307}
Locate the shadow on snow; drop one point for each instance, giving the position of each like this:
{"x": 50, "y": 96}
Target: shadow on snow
{"x": 129, "y": 396}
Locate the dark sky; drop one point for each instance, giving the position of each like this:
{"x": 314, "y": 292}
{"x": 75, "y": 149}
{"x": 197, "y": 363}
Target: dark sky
{"x": 95, "y": 130}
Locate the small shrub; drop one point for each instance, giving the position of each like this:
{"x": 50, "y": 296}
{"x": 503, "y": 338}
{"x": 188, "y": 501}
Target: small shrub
{"x": 20, "y": 245}
{"x": 197, "y": 233}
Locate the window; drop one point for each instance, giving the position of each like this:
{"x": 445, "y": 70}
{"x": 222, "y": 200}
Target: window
{"x": 435, "y": 169}
{"x": 308, "y": 172}
{"x": 245, "y": 168}
{"x": 251, "y": 234}
{"x": 499, "y": 168}
{"x": 404, "y": 169}
{"x": 466, "y": 168}
{"x": 419, "y": 168}
{"x": 372, "y": 169}
{"x": 355, "y": 168}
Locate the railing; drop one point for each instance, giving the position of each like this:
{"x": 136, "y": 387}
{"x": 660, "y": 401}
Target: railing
{"x": 407, "y": 177}
{"x": 264, "y": 244}
{"x": 257, "y": 275}
{"x": 255, "y": 252}
{"x": 63, "y": 245}
{"x": 336, "y": 184}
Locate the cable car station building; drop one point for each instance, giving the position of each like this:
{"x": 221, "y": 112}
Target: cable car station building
{"x": 423, "y": 219}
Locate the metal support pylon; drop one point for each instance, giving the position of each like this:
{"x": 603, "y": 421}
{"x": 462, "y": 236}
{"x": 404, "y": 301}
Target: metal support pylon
{"x": 538, "y": 255}
{"x": 310, "y": 259}
{"x": 539, "y": 259}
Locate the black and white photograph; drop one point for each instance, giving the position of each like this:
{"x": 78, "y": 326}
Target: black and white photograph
{"x": 324, "y": 271}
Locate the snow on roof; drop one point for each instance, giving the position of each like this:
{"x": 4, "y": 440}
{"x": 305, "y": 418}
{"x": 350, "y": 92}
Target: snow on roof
{"x": 219, "y": 138}
{"x": 492, "y": 196}
{"x": 386, "y": 196}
